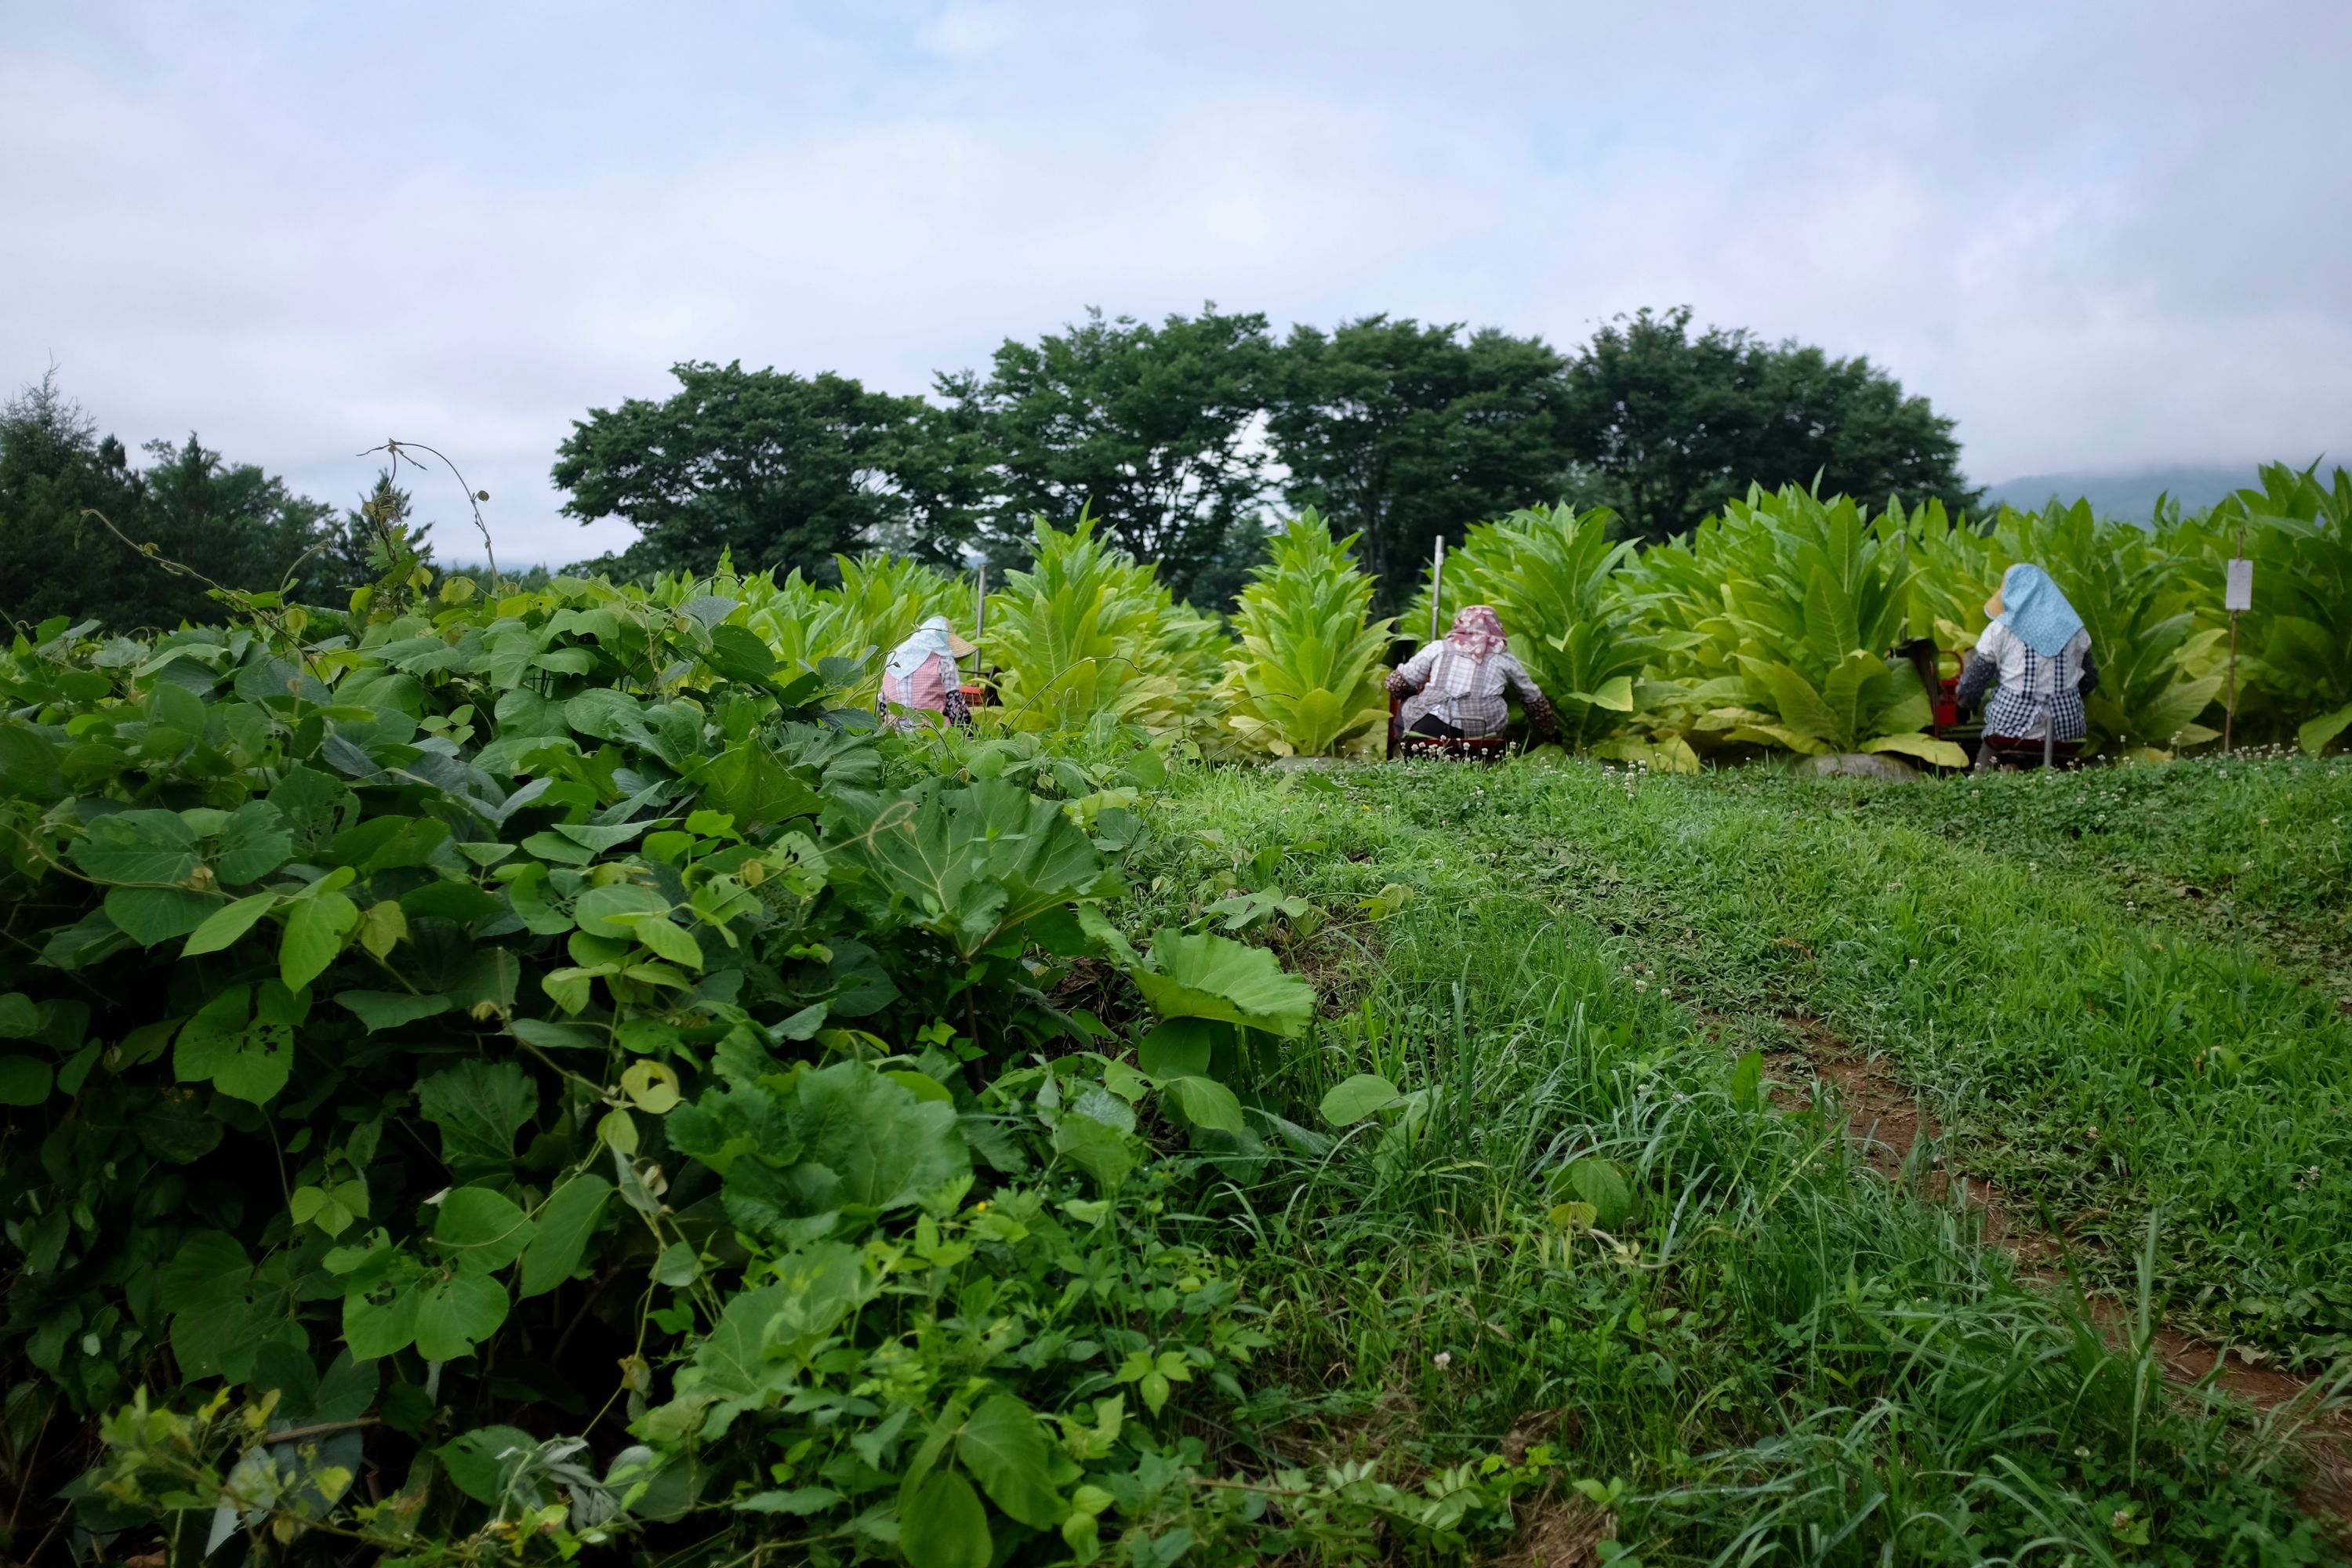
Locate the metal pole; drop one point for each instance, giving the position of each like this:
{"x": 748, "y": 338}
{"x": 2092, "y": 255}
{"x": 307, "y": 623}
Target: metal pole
{"x": 2230, "y": 712}
{"x": 979, "y": 618}
{"x": 1437, "y": 588}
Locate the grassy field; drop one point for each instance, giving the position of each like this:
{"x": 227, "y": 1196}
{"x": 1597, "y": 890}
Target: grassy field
{"x": 2121, "y": 993}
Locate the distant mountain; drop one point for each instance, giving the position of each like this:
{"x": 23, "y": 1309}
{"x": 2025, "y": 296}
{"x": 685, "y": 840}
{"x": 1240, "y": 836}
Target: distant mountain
{"x": 2129, "y": 494}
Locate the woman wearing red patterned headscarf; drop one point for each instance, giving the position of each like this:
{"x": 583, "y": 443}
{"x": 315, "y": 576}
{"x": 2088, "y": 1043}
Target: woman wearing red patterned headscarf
{"x": 1455, "y": 688}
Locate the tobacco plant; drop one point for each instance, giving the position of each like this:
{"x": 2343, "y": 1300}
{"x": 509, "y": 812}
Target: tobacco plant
{"x": 2297, "y": 640}
{"x": 1088, "y": 632}
{"x": 1307, "y": 679}
{"x": 1548, "y": 573}
{"x": 1779, "y": 618}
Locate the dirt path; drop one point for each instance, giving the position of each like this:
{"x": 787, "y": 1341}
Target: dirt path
{"x": 1888, "y": 1124}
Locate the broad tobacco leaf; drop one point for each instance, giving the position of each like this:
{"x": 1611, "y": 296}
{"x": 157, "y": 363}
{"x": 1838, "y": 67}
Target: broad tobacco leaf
{"x": 967, "y": 864}
{"x": 1204, "y": 975}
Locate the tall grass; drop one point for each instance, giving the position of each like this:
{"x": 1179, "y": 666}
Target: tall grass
{"x": 1778, "y": 1353}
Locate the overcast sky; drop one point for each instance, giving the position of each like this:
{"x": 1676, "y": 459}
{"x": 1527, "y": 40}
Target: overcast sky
{"x": 2099, "y": 235}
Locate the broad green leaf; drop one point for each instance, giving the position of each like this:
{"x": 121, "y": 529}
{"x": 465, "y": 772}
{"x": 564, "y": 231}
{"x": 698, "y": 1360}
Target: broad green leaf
{"x": 739, "y": 655}
{"x": 677, "y": 1266}
{"x": 1832, "y": 631}
{"x": 651, "y": 1086}
{"x": 923, "y": 1086}
{"x": 1599, "y": 1183}
{"x": 971, "y": 864}
{"x": 227, "y": 922}
{"x": 1103, "y": 1152}
{"x": 2315, "y": 733}
{"x": 390, "y": 1009}
{"x": 1205, "y": 1102}
{"x": 669, "y": 941}
{"x": 206, "y": 1284}
{"x": 941, "y": 1525}
{"x": 151, "y": 915}
{"x": 1355, "y": 1097}
{"x": 882, "y": 1146}
{"x": 482, "y": 1229}
{"x": 1615, "y": 694}
{"x": 25, "y": 1080}
{"x": 1943, "y": 753}
{"x": 454, "y": 1312}
{"x": 380, "y": 1321}
{"x": 315, "y": 929}
{"x": 1204, "y": 975}
{"x": 1179, "y": 1048}
{"x": 478, "y": 1106}
{"x": 1800, "y": 706}
{"x": 598, "y": 907}
{"x": 150, "y": 846}
{"x": 254, "y": 842}
{"x": 482, "y": 1462}
{"x": 242, "y": 1041}
{"x": 1002, "y": 1445}
{"x": 750, "y": 783}
{"x": 19, "y": 1018}
{"x": 565, "y": 1222}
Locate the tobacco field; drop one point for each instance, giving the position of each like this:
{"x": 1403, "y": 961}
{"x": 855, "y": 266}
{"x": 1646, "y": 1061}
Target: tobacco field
{"x": 515, "y": 1077}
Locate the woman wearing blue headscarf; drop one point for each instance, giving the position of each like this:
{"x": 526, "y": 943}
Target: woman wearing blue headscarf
{"x": 2036, "y": 655}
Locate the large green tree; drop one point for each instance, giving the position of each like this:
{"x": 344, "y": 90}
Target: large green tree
{"x": 1151, "y": 427}
{"x": 783, "y": 469}
{"x": 234, "y": 523}
{"x": 1401, "y": 432}
{"x": 1669, "y": 425}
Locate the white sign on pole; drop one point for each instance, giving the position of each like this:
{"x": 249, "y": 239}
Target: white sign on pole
{"x": 2240, "y": 593}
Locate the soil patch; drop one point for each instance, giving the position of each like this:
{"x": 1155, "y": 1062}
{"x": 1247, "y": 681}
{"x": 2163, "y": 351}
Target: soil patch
{"x": 1563, "y": 1531}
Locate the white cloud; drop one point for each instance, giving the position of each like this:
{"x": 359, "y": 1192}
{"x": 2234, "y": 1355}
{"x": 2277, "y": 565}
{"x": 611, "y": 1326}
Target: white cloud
{"x": 301, "y": 230}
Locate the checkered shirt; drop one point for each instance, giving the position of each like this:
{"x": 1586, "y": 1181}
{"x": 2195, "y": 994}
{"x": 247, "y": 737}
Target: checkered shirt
{"x": 1464, "y": 692}
{"x": 2033, "y": 685}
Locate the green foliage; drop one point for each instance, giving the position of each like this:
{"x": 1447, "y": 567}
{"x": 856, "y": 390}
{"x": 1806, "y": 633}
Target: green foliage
{"x": 877, "y": 603}
{"x": 1086, "y": 633}
{"x": 1307, "y": 680}
{"x": 229, "y": 522}
{"x": 2299, "y": 637}
{"x": 511, "y": 1016}
{"x": 1401, "y": 432}
{"x": 1777, "y": 619}
{"x": 775, "y": 467}
{"x": 1670, "y": 428}
{"x": 1146, "y": 428}
{"x": 1549, "y": 572}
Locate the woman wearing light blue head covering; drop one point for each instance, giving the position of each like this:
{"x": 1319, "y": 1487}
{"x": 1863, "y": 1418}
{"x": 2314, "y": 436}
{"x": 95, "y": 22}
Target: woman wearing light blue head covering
{"x": 2036, "y": 655}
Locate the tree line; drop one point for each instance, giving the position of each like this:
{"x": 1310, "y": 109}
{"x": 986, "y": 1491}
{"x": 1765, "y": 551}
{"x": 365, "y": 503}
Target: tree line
{"x": 1179, "y": 437}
